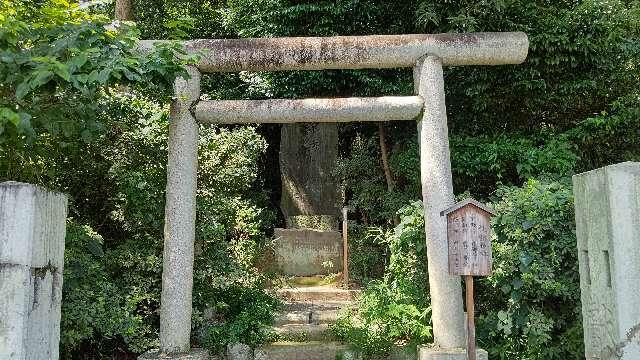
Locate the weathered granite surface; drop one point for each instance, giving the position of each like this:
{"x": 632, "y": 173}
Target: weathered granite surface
{"x": 32, "y": 232}
{"x": 607, "y": 204}
{"x": 384, "y": 108}
{"x": 431, "y": 353}
{"x": 355, "y": 52}
{"x": 302, "y": 252}
{"x": 180, "y": 218}
{"x": 437, "y": 195}
{"x": 308, "y": 157}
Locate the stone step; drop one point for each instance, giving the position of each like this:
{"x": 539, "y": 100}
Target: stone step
{"x": 310, "y": 312}
{"x": 293, "y": 317}
{"x": 303, "y": 332}
{"x": 315, "y": 350}
{"x": 317, "y": 294}
{"x": 306, "y": 317}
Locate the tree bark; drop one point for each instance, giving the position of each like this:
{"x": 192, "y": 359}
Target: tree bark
{"x": 385, "y": 164}
{"x": 124, "y": 10}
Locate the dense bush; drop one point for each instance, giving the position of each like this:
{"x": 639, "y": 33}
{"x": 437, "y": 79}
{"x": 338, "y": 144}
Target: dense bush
{"x": 530, "y": 306}
{"x": 229, "y": 233}
{"x": 94, "y": 306}
{"x": 56, "y": 64}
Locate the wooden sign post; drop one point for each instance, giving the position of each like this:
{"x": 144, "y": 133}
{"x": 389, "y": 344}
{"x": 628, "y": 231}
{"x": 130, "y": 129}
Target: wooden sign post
{"x": 468, "y": 234}
{"x": 345, "y": 247}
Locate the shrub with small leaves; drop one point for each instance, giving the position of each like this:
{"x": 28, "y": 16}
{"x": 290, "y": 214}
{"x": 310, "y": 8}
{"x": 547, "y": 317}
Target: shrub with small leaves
{"x": 530, "y": 306}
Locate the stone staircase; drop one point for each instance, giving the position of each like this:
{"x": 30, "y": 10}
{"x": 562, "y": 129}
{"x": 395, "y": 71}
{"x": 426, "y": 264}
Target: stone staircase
{"x": 303, "y": 325}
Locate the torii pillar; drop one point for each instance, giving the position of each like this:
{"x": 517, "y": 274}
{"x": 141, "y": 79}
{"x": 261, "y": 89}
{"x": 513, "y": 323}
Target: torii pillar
{"x": 427, "y": 54}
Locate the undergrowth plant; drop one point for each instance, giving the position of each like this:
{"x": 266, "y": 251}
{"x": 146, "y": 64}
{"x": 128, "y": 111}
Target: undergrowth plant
{"x": 393, "y": 311}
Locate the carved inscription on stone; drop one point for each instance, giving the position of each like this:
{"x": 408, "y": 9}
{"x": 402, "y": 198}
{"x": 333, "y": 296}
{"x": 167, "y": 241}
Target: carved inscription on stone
{"x": 468, "y": 232}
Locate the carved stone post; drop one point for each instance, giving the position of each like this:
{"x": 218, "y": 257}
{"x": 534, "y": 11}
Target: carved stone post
{"x": 608, "y": 232}
{"x": 437, "y": 195}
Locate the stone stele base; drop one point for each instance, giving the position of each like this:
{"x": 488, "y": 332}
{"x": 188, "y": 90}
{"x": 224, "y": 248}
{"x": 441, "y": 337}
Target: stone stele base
{"x": 430, "y": 353}
{"x": 302, "y": 252}
{"x": 193, "y": 354}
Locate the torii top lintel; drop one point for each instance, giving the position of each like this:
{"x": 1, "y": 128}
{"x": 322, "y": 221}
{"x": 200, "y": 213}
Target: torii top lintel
{"x": 356, "y": 52}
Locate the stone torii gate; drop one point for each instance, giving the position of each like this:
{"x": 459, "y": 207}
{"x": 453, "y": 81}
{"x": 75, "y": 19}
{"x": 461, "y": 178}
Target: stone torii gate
{"x": 426, "y": 54}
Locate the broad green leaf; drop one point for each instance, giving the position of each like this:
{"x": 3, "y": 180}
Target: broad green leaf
{"x": 9, "y": 115}
{"x": 62, "y": 70}
{"x": 78, "y": 61}
{"x": 41, "y": 78}
{"x": 22, "y": 89}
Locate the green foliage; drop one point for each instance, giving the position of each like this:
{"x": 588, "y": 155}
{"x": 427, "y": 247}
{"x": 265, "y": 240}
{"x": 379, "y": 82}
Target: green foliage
{"x": 57, "y": 62}
{"x": 571, "y": 106}
{"x": 361, "y": 172}
{"x": 368, "y": 257}
{"x": 509, "y": 159}
{"x": 229, "y": 231}
{"x": 116, "y": 185}
{"x": 93, "y": 304}
{"x": 611, "y": 136}
{"x": 393, "y": 311}
{"x": 583, "y": 56}
{"x": 530, "y": 305}
{"x": 249, "y": 307}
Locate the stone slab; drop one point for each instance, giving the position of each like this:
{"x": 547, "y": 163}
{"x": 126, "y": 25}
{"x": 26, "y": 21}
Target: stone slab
{"x": 308, "y": 154}
{"x": 239, "y": 351}
{"x": 302, "y": 252}
{"x": 298, "y": 351}
{"x": 431, "y": 353}
{"x": 193, "y": 354}
{"x": 310, "y": 312}
{"x": 317, "y": 294}
{"x": 385, "y": 108}
{"x": 303, "y": 332}
{"x": 607, "y": 204}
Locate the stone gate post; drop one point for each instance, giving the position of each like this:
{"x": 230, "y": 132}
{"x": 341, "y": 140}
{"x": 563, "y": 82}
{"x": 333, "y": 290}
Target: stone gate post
{"x": 607, "y": 203}
{"x": 32, "y": 231}
{"x": 180, "y": 223}
{"x": 437, "y": 194}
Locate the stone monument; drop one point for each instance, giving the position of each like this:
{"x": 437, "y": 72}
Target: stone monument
{"x": 310, "y": 245}
{"x": 607, "y": 204}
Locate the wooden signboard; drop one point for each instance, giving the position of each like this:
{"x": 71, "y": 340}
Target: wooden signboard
{"x": 468, "y": 234}
{"x": 469, "y": 239}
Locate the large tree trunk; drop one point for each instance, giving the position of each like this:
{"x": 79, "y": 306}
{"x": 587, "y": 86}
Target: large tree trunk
{"x": 310, "y": 192}
{"x": 124, "y": 10}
